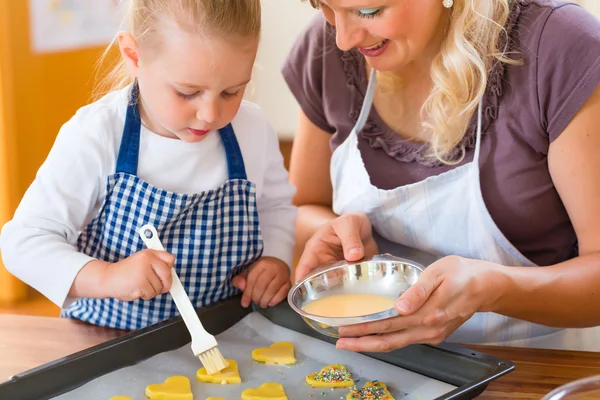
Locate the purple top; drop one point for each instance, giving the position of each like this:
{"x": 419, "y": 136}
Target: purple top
{"x": 526, "y": 107}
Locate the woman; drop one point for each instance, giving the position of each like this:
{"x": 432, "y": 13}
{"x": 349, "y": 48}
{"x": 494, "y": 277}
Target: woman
{"x": 466, "y": 129}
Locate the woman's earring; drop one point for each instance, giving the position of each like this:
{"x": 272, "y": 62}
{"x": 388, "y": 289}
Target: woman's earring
{"x": 448, "y": 3}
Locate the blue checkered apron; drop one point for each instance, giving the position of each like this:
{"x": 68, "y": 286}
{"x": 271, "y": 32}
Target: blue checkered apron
{"x": 213, "y": 235}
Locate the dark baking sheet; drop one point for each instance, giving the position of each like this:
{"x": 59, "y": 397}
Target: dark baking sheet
{"x": 470, "y": 371}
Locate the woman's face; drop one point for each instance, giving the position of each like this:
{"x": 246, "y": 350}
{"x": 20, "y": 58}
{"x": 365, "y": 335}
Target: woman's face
{"x": 391, "y": 34}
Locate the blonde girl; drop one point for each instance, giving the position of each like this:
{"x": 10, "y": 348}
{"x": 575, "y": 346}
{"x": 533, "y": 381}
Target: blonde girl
{"x": 172, "y": 144}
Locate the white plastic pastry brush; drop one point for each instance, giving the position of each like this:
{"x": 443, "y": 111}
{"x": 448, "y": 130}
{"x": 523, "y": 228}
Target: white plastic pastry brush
{"x": 204, "y": 345}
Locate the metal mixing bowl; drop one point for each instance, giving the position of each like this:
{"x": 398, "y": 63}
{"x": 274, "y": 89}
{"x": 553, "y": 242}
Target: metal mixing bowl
{"x": 381, "y": 275}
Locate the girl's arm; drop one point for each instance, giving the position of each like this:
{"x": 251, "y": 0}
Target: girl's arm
{"x": 38, "y": 243}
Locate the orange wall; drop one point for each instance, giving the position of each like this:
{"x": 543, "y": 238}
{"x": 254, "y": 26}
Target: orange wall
{"x": 38, "y": 93}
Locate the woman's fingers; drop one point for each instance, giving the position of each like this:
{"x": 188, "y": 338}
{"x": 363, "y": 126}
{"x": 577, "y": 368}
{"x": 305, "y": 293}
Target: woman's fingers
{"x": 418, "y": 294}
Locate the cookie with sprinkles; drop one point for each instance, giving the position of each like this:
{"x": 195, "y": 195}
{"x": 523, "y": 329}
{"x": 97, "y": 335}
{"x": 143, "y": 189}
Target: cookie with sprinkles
{"x": 331, "y": 376}
{"x": 374, "y": 390}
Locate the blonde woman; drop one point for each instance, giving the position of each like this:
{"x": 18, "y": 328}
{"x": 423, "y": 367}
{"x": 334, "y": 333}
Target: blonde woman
{"x": 174, "y": 145}
{"x": 467, "y": 129}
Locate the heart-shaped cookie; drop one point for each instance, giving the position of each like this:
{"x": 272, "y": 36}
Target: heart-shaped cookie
{"x": 174, "y": 388}
{"x": 230, "y": 374}
{"x": 266, "y": 391}
{"x": 277, "y": 353}
{"x": 331, "y": 376}
{"x": 121, "y": 398}
{"x": 372, "y": 390}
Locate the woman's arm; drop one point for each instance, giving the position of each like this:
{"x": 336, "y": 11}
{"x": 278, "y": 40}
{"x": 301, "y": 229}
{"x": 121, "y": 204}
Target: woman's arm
{"x": 567, "y": 294}
{"x": 309, "y": 172}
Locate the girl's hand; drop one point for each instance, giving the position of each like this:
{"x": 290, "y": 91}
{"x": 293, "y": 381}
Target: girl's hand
{"x": 144, "y": 275}
{"x": 349, "y": 237}
{"x": 446, "y": 295}
{"x": 266, "y": 282}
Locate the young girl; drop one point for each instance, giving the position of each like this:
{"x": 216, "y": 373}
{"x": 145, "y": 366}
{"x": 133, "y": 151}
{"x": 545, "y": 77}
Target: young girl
{"x": 173, "y": 145}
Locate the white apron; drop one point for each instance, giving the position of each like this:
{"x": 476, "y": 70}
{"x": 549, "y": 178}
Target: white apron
{"x": 445, "y": 215}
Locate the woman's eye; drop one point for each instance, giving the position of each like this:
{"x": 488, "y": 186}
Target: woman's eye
{"x": 368, "y": 12}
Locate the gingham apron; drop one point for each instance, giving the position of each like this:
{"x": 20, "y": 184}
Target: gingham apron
{"x": 213, "y": 235}
{"x": 445, "y": 215}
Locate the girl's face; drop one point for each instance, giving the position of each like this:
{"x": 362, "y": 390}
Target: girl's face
{"x": 391, "y": 34}
{"x": 191, "y": 84}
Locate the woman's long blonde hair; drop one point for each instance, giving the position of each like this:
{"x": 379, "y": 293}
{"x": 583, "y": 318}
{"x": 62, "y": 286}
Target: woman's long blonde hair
{"x": 474, "y": 42}
{"x": 224, "y": 18}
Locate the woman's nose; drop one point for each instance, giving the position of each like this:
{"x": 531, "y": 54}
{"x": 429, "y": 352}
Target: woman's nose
{"x": 347, "y": 35}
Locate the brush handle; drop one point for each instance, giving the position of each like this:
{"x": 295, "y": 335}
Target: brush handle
{"x": 180, "y": 297}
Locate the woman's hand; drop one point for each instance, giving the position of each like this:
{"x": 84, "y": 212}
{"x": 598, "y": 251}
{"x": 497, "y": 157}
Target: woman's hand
{"x": 348, "y": 237}
{"x": 446, "y": 295}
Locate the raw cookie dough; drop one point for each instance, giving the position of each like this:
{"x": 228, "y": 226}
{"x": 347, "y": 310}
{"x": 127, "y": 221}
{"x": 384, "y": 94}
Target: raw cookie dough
{"x": 231, "y": 374}
{"x": 174, "y": 388}
{"x": 266, "y": 391}
{"x": 121, "y": 398}
{"x": 372, "y": 390}
{"x": 331, "y": 376}
{"x": 277, "y": 353}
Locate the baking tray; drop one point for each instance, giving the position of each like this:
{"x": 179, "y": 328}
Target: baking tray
{"x": 469, "y": 371}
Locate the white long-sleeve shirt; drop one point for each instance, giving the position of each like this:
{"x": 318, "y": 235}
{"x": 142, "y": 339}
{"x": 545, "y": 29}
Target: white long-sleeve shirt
{"x": 38, "y": 243}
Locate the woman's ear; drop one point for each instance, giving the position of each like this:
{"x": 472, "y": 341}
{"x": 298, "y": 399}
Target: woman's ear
{"x": 130, "y": 52}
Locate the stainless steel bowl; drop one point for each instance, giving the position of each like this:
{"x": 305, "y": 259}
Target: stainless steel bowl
{"x": 381, "y": 275}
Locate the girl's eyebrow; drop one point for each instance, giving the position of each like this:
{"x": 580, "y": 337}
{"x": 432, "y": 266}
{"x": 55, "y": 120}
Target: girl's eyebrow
{"x": 198, "y": 87}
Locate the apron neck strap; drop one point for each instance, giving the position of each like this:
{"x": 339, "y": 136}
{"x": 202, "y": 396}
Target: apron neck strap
{"x": 478, "y": 137}
{"x": 367, "y": 103}
{"x": 127, "y": 160}
{"x": 235, "y": 160}
{"x": 129, "y": 150}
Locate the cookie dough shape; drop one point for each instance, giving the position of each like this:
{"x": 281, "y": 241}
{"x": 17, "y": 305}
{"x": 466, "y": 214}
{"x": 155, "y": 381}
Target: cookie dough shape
{"x": 372, "y": 390}
{"x": 331, "y": 376}
{"x": 121, "y": 398}
{"x": 231, "y": 374}
{"x": 277, "y": 353}
{"x": 266, "y": 391}
{"x": 174, "y": 388}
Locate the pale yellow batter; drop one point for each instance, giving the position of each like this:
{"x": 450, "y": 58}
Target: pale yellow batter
{"x": 349, "y": 305}
{"x": 174, "y": 388}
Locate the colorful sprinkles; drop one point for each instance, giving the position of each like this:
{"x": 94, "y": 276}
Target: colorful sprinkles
{"x": 369, "y": 392}
{"x": 333, "y": 375}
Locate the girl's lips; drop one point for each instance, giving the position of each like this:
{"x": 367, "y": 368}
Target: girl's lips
{"x": 198, "y": 132}
{"x": 374, "y": 51}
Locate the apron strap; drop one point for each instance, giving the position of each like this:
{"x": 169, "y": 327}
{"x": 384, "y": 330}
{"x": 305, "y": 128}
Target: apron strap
{"x": 367, "y": 103}
{"x": 127, "y": 160}
{"x": 478, "y": 137}
{"x": 235, "y": 160}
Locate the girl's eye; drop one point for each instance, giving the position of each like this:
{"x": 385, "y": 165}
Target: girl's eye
{"x": 186, "y": 96}
{"x": 228, "y": 95}
{"x": 368, "y": 12}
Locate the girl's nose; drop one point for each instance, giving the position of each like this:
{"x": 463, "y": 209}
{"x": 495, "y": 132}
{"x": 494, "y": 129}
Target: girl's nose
{"x": 209, "y": 111}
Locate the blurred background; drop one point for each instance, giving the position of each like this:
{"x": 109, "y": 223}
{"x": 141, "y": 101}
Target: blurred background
{"x": 48, "y": 54}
